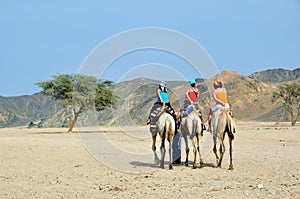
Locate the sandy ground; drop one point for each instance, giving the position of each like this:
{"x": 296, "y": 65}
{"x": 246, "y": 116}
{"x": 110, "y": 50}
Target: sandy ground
{"x": 49, "y": 163}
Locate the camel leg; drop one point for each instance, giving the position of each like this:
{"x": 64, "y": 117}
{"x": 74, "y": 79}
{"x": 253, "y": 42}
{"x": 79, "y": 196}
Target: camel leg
{"x": 170, "y": 135}
{"x": 198, "y": 149}
{"x": 195, "y": 154}
{"x": 163, "y": 152}
{"x": 222, "y": 150}
{"x": 230, "y": 153}
{"x": 201, "y": 161}
{"x": 156, "y": 159}
{"x": 215, "y": 150}
{"x": 186, "y": 150}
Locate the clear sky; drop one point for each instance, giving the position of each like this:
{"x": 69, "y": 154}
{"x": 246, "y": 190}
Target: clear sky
{"x": 41, "y": 38}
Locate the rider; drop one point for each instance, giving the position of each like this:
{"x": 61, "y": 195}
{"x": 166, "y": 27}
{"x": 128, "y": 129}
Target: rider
{"x": 162, "y": 93}
{"x": 192, "y": 95}
{"x": 220, "y": 97}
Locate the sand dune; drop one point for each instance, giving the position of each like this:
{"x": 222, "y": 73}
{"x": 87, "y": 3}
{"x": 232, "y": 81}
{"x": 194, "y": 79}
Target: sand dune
{"x": 49, "y": 163}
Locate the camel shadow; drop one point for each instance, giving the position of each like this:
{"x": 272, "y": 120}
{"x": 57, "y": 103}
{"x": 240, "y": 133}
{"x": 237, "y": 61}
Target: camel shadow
{"x": 210, "y": 165}
{"x": 144, "y": 164}
{"x": 152, "y": 165}
{"x": 45, "y": 133}
{"x": 74, "y": 132}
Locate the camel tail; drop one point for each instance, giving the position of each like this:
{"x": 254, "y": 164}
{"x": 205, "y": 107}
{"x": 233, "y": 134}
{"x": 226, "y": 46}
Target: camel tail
{"x": 225, "y": 124}
{"x": 196, "y": 126}
{"x": 166, "y": 130}
{"x": 230, "y": 129}
{"x": 230, "y": 134}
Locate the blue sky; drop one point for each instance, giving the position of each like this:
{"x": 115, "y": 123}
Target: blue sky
{"x": 43, "y": 38}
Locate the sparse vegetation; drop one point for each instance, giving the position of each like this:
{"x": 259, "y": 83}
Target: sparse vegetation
{"x": 289, "y": 94}
{"x": 80, "y": 93}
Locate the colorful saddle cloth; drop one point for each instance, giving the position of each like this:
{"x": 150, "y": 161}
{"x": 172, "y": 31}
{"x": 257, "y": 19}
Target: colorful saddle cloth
{"x": 154, "y": 115}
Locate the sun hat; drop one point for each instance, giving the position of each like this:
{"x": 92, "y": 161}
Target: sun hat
{"x": 216, "y": 83}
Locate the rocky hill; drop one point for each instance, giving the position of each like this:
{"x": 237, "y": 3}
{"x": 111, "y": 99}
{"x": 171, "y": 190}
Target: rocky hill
{"x": 250, "y": 99}
{"x": 21, "y": 110}
{"x": 276, "y": 75}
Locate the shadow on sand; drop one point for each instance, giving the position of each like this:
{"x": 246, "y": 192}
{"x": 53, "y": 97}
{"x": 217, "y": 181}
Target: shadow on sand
{"x": 75, "y": 132}
{"x": 144, "y": 164}
{"x": 52, "y": 132}
{"x": 100, "y": 131}
{"x": 211, "y": 165}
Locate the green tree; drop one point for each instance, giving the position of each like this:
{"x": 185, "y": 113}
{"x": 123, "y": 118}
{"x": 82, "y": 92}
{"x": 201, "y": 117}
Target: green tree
{"x": 80, "y": 93}
{"x": 289, "y": 94}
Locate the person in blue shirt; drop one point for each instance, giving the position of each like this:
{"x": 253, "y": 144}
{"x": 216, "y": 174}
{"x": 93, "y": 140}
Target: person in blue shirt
{"x": 163, "y": 99}
{"x": 163, "y": 94}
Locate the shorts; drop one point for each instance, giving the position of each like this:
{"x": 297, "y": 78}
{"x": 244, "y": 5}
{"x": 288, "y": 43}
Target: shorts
{"x": 218, "y": 106}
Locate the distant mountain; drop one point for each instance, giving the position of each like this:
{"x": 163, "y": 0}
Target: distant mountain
{"x": 19, "y": 111}
{"x": 276, "y": 75}
{"x": 250, "y": 99}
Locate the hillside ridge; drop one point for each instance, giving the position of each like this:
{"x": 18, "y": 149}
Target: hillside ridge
{"x": 250, "y": 98}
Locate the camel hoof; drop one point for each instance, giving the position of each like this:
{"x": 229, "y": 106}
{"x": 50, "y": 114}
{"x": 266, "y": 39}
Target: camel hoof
{"x": 230, "y": 168}
{"x": 186, "y": 164}
{"x": 219, "y": 166}
{"x": 170, "y": 166}
{"x": 201, "y": 165}
{"x": 194, "y": 167}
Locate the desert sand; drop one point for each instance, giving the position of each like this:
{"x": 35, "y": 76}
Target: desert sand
{"x": 49, "y": 163}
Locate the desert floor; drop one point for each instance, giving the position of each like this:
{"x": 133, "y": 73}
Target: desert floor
{"x": 118, "y": 163}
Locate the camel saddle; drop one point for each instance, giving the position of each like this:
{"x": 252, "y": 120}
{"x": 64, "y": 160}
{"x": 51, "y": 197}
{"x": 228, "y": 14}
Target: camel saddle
{"x": 154, "y": 115}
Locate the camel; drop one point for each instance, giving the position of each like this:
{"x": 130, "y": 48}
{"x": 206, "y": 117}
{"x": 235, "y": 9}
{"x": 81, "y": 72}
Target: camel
{"x": 191, "y": 126}
{"x": 222, "y": 122}
{"x": 165, "y": 128}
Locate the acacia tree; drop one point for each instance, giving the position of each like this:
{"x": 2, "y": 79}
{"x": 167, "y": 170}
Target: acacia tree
{"x": 80, "y": 93}
{"x": 290, "y": 97}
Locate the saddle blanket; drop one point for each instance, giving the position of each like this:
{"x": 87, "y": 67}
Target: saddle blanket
{"x": 156, "y": 109}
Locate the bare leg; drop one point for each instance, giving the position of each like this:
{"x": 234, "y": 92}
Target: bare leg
{"x": 209, "y": 118}
{"x": 202, "y": 116}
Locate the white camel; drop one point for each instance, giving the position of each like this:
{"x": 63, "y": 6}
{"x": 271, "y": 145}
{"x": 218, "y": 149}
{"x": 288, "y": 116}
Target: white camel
{"x": 221, "y": 123}
{"x": 165, "y": 128}
{"x": 191, "y": 126}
